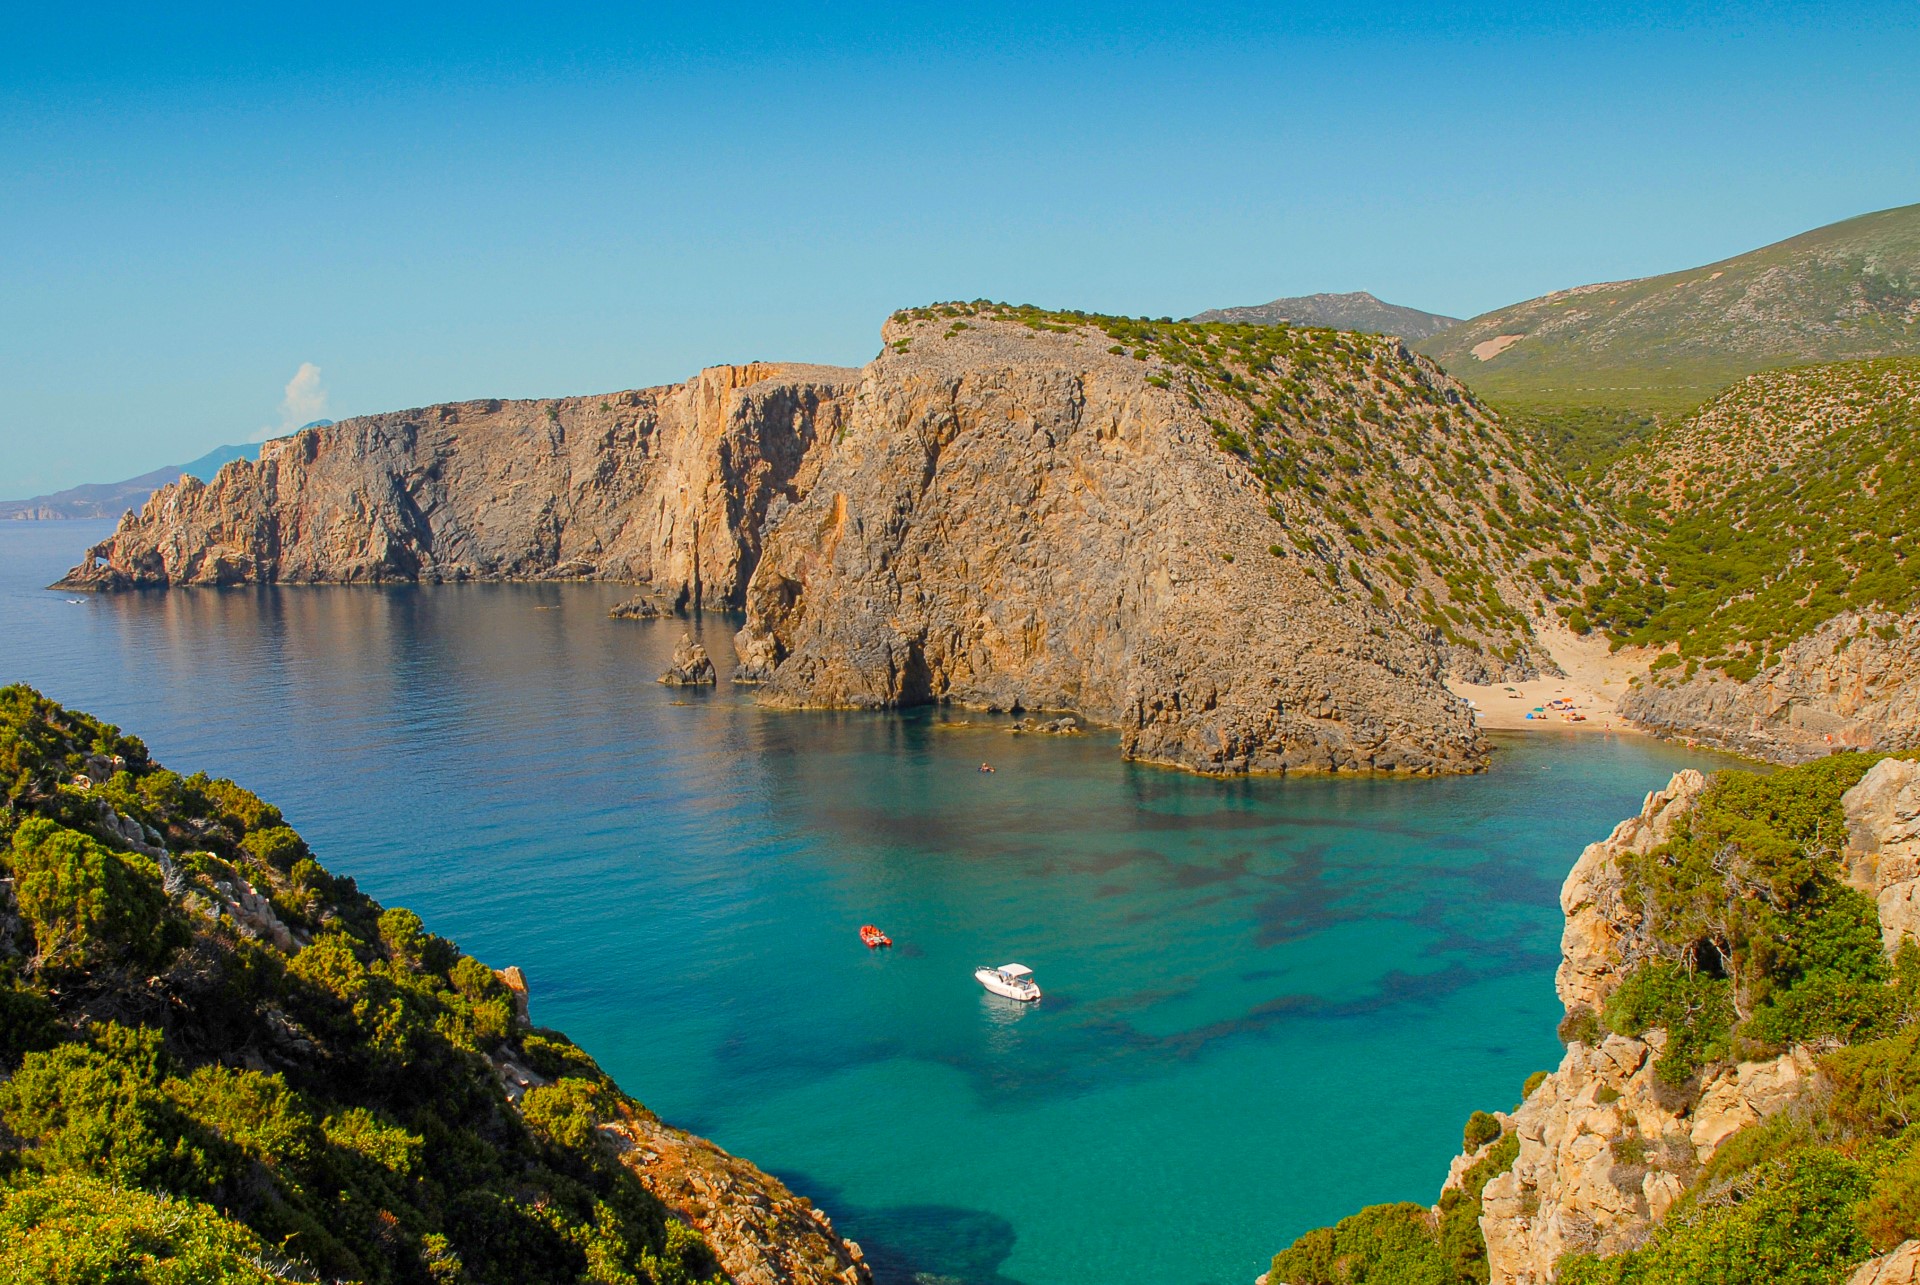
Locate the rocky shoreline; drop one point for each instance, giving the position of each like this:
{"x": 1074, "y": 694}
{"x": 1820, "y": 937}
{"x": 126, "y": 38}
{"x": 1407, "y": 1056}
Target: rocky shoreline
{"x": 1001, "y": 511}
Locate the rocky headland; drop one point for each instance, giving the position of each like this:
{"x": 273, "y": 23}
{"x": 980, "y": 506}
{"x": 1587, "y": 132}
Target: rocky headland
{"x": 1675, "y": 1140}
{"x": 1249, "y": 548}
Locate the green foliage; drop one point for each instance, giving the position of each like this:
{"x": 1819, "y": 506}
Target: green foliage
{"x": 1482, "y": 1127}
{"x": 333, "y": 1105}
{"x": 1380, "y": 1245}
{"x": 1890, "y": 1213}
{"x": 1695, "y": 1010}
{"x": 1786, "y": 1222}
{"x": 1534, "y": 1081}
{"x": 1783, "y": 504}
{"x": 86, "y": 903}
{"x": 1462, "y": 1246}
{"x": 1747, "y": 915}
{"x": 75, "y": 1229}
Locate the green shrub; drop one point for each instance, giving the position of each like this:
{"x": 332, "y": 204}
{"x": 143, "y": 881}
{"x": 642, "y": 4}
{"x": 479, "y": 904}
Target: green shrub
{"x": 1380, "y": 1245}
{"x": 85, "y": 903}
{"x": 1695, "y": 1010}
{"x": 1791, "y": 1225}
{"x": 1482, "y": 1127}
{"x": 1534, "y": 1081}
{"x": 75, "y": 1229}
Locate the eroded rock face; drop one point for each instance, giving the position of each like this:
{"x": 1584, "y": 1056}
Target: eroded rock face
{"x": 1605, "y": 1150}
{"x": 1900, "y": 1267}
{"x": 660, "y": 486}
{"x": 691, "y": 667}
{"x": 1024, "y": 522}
{"x": 1852, "y": 684}
{"x": 1008, "y": 516}
{"x": 1883, "y": 842}
{"x": 1598, "y": 945}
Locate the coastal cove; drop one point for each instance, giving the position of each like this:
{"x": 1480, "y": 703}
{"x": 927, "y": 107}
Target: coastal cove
{"x": 1268, "y": 1001}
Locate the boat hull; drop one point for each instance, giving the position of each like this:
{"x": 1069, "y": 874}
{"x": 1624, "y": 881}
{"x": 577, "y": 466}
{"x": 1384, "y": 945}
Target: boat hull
{"x": 999, "y": 986}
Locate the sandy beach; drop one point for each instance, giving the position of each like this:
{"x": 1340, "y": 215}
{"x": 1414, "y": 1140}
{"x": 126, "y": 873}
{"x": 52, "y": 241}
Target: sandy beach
{"x": 1595, "y": 681}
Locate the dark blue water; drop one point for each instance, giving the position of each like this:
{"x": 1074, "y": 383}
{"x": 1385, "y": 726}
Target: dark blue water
{"x": 1267, "y": 1002}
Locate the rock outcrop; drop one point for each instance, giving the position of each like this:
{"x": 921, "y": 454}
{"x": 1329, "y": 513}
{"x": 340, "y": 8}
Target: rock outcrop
{"x": 1250, "y": 550}
{"x": 1883, "y": 842}
{"x": 1852, "y": 684}
{"x": 1899, "y": 1267}
{"x": 662, "y": 486}
{"x": 1605, "y": 1147}
{"x": 691, "y": 666}
{"x": 1032, "y": 519}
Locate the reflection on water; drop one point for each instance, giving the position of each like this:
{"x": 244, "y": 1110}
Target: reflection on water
{"x": 1267, "y": 1002}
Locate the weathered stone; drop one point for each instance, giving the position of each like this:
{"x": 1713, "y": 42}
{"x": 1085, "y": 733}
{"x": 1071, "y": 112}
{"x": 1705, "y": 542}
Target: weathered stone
{"x": 1597, "y": 945}
{"x": 691, "y": 665}
{"x": 1883, "y": 842}
{"x": 661, "y": 486}
{"x": 1843, "y": 687}
{"x": 1899, "y": 1267}
{"x": 641, "y": 608}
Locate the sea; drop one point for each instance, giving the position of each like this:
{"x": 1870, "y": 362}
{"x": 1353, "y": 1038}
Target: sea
{"x": 1266, "y": 1002}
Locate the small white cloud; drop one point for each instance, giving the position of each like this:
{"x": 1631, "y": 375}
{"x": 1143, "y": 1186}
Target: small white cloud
{"x": 304, "y": 402}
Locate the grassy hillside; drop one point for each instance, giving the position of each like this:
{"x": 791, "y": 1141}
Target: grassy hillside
{"x": 1593, "y": 361}
{"x": 1788, "y": 499}
{"x": 189, "y": 1098}
{"x": 1384, "y": 481}
{"x": 1750, "y": 881}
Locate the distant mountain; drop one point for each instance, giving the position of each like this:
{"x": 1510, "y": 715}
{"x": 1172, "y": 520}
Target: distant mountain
{"x": 1357, "y": 311}
{"x": 111, "y": 499}
{"x": 1848, "y": 291}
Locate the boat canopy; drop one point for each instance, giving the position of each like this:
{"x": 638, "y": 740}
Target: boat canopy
{"x": 1015, "y": 970}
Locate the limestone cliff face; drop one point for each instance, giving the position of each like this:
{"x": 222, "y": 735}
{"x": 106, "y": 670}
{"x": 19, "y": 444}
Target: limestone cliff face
{"x": 1024, "y": 520}
{"x": 665, "y": 486}
{"x": 1249, "y": 550}
{"x": 1605, "y": 1149}
{"x": 1852, "y": 684}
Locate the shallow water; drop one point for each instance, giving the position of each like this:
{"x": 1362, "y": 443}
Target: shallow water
{"x": 1267, "y": 1002}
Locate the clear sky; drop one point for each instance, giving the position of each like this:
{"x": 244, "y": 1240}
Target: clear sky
{"x": 216, "y": 223}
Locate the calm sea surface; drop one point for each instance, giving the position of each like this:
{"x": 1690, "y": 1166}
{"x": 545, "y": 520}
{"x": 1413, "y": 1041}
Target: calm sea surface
{"x": 1267, "y": 1002}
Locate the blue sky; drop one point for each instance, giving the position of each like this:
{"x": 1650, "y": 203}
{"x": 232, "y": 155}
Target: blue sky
{"x": 469, "y": 201}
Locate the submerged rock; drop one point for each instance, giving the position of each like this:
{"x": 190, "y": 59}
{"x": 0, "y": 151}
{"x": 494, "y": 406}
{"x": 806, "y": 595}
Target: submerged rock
{"x": 641, "y": 608}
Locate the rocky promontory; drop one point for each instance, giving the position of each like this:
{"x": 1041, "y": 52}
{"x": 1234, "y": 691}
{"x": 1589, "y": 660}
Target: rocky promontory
{"x": 1249, "y": 548}
{"x": 664, "y": 487}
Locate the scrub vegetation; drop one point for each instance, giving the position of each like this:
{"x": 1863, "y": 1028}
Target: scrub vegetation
{"x": 1752, "y": 944}
{"x": 1384, "y": 481}
{"x": 223, "y": 1064}
{"x": 1785, "y": 502}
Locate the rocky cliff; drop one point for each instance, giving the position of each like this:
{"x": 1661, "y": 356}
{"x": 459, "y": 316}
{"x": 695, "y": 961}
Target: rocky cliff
{"x": 1221, "y": 543}
{"x": 1606, "y": 1147}
{"x": 1854, "y": 683}
{"x": 659, "y": 486}
{"x": 1251, "y": 548}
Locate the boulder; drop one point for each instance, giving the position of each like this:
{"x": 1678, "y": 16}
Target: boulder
{"x": 691, "y": 666}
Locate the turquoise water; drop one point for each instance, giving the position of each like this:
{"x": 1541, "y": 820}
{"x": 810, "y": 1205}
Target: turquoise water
{"x": 1267, "y": 1002}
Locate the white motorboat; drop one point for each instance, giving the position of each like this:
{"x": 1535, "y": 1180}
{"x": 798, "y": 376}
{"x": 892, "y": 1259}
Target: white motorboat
{"x": 1015, "y": 981}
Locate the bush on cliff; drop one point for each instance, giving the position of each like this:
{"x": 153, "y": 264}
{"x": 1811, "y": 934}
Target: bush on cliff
{"x": 183, "y": 1100}
{"x": 1756, "y": 942}
{"x": 1405, "y": 1244}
